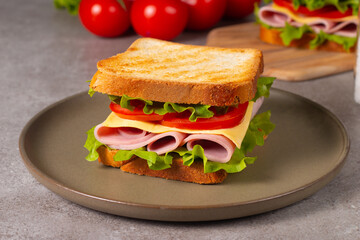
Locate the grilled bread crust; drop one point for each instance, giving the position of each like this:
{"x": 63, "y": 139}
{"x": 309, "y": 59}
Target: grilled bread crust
{"x": 171, "y": 72}
{"x": 272, "y": 36}
{"x": 178, "y": 171}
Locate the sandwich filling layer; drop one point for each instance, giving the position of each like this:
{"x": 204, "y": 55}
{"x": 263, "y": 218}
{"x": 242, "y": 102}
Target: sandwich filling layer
{"x": 159, "y": 132}
{"x": 218, "y": 145}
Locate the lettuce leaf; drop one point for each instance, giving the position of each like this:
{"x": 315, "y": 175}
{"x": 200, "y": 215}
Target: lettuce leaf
{"x": 290, "y": 33}
{"x": 263, "y": 87}
{"x": 91, "y": 145}
{"x": 155, "y": 162}
{"x": 72, "y": 6}
{"x": 346, "y": 42}
{"x": 91, "y": 92}
{"x": 341, "y": 5}
{"x": 197, "y": 110}
{"x": 259, "y": 126}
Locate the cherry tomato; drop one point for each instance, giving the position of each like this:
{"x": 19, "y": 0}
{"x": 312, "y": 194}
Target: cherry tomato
{"x": 231, "y": 119}
{"x": 162, "y": 19}
{"x": 325, "y": 12}
{"x": 204, "y": 14}
{"x": 239, "y": 8}
{"x": 105, "y": 18}
{"x": 136, "y": 114}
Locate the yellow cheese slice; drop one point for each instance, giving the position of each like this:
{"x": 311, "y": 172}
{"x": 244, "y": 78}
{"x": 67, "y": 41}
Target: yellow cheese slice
{"x": 306, "y": 20}
{"x": 235, "y": 134}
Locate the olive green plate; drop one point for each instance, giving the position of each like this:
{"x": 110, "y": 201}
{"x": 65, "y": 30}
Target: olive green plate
{"x": 305, "y": 152}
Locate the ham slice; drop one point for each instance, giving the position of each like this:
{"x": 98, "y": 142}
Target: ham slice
{"x": 124, "y": 136}
{"x": 346, "y": 29}
{"x": 277, "y": 19}
{"x": 128, "y": 138}
{"x": 272, "y": 17}
{"x": 217, "y": 148}
{"x": 166, "y": 142}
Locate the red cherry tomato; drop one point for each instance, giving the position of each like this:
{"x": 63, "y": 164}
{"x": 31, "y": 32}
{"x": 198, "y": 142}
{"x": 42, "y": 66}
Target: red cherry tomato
{"x": 231, "y": 119}
{"x": 162, "y": 19}
{"x": 325, "y": 12}
{"x": 239, "y": 8}
{"x": 204, "y": 14}
{"x": 137, "y": 114}
{"x": 105, "y": 18}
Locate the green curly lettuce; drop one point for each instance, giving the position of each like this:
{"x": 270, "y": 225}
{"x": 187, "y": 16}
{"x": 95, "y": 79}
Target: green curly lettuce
{"x": 346, "y": 42}
{"x": 263, "y": 87}
{"x": 290, "y": 33}
{"x": 341, "y": 5}
{"x": 154, "y": 161}
{"x": 92, "y": 144}
{"x": 72, "y": 6}
{"x": 197, "y": 110}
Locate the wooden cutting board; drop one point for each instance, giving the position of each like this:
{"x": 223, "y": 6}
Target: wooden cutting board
{"x": 288, "y": 64}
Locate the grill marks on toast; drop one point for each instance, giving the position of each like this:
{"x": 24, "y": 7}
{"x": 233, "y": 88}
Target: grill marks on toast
{"x": 159, "y": 70}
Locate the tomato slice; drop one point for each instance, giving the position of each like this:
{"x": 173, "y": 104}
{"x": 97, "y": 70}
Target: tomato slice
{"x": 137, "y": 114}
{"x": 231, "y": 119}
{"x": 325, "y": 12}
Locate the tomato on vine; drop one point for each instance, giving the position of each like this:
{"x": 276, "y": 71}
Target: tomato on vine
{"x": 162, "y": 19}
{"x": 204, "y": 14}
{"x": 105, "y": 18}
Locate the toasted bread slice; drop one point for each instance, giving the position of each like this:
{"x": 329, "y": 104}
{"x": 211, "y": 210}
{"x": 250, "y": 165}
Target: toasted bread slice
{"x": 171, "y": 72}
{"x": 178, "y": 171}
{"x": 272, "y": 36}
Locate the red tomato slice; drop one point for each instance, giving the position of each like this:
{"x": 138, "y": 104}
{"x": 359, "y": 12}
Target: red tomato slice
{"x": 137, "y": 114}
{"x": 325, "y": 12}
{"x": 231, "y": 119}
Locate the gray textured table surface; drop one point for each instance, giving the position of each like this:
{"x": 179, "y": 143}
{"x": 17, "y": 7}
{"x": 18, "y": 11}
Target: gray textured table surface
{"x": 46, "y": 56}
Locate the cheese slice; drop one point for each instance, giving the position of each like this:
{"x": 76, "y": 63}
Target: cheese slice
{"x": 307, "y": 20}
{"x": 235, "y": 134}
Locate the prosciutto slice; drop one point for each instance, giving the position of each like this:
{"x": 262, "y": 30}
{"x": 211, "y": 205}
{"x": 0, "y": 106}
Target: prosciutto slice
{"x": 276, "y": 18}
{"x": 217, "y": 148}
{"x": 128, "y": 138}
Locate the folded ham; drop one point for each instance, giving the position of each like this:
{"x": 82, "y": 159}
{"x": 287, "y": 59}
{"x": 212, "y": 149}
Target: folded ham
{"x": 217, "y": 148}
{"x": 277, "y": 19}
{"x": 128, "y": 138}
